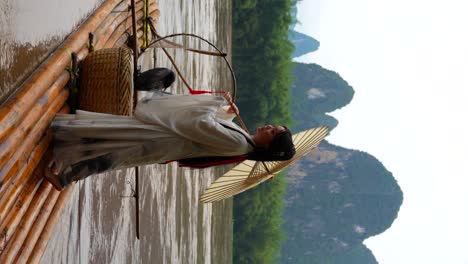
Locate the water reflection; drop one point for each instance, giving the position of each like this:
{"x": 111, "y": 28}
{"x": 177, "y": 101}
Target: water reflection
{"x": 29, "y": 31}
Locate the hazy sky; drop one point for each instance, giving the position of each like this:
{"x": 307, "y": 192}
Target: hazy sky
{"x": 407, "y": 61}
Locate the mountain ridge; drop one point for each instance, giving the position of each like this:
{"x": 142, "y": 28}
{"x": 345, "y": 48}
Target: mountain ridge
{"x": 336, "y": 197}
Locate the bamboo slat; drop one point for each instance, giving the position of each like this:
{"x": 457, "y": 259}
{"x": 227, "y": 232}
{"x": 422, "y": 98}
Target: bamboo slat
{"x": 32, "y": 211}
{"x": 122, "y": 40}
{"x": 43, "y": 240}
{"x": 13, "y": 186}
{"x": 9, "y": 152}
{"x": 13, "y": 111}
{"x": 39, "y": 223}
{"x": 104, "y": 41}
{"x": 153, "y": 15}
{"x": 10, "y": 145}
{"x": 14, "y": 114}
{"x": 120, "y": 20}
{"x": 125, "y": 26}
{"x": 36, "y": 216}
{"x": 120, "y": 30}
{"x": 8, "y": 227}
{"x": 117, "y": 14}
{"x": 26, "y": 224}
{"x": 44, "y": 114}
{"x": 14, "y": 163}
{"x": 32, "y": 138}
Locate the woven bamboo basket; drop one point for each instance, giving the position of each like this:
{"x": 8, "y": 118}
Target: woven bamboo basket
{"x": 106, "y": 82}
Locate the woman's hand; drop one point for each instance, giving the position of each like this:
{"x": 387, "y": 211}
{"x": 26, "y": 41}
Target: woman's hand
{"x": 233, "y": 109}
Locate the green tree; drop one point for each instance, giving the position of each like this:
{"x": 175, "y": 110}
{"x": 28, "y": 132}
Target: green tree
{"x": 262, "y": 62}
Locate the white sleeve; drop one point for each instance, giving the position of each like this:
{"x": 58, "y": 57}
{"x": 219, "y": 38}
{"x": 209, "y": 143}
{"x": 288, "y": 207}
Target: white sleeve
{"x": 192, "y": 117}
{"x": 222, "y": 113}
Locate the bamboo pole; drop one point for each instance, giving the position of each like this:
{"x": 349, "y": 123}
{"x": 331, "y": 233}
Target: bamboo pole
{"x": 122, "y": 20}
{"x": 10, "y": 145}
{"x": 12, "y": 142}
{"x": 43, "y": 240}
{"x": 14, "y": 185}
{"x": 31, "y": 139}
{"x": 9, "y": 226}
{"x": 119, "y": 36}
{"x": 105, "y": 41}
{"x": 14, "y": 110}
{"x": 153, "y": 15}
{"x": 103, "y": 34}
{"x": 26, "y": 224}
{"x": 9, "y": 152}
{"x": 117, "y": 14}
{"x": 39, "y": 223}
{"x": 123, "y": 27}
{"x": 62, "y": 203}
{"x": 122, "y": 38}
{"x": 47, "y": 232}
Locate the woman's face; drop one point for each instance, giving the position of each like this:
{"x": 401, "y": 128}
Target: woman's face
{"x": 265, "y": 134}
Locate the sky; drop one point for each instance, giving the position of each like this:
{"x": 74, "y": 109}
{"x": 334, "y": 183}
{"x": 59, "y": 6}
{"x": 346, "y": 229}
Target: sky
{"x": 407, "y": 61}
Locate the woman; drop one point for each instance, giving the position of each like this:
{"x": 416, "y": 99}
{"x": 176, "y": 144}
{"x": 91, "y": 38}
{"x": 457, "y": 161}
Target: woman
{"x": 196, "y": 130}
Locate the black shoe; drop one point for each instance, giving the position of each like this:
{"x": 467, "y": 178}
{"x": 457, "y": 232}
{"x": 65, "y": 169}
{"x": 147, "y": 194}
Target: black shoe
{"x": 53, "y": 178}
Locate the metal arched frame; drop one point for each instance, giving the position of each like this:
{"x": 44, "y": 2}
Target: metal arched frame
{"x": 220, "y": 53}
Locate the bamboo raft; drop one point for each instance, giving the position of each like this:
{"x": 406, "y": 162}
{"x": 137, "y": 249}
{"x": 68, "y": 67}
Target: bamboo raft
{"x": 29, "y": 205}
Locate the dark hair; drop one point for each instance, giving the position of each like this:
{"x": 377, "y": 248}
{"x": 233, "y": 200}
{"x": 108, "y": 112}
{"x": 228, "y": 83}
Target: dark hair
{"x": 280, "y": 148}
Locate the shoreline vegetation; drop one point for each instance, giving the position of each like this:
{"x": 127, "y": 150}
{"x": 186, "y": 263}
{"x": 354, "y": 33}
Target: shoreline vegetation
{"x": 349, "y": 195}
{"x": 263, "y": 65}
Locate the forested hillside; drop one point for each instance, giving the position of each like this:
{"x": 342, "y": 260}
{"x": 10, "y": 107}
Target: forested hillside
{"x": 335, "y": 199}
{"x": 262, "y": 59}
{"x": 303, "y": 44}
{"x": 315, "y": 92}
{"x": 332, "y": 199}
{"x": 262, "y": 62}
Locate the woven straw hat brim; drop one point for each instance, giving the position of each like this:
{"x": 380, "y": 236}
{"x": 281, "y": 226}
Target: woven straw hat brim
{"x": 249, "y": 173}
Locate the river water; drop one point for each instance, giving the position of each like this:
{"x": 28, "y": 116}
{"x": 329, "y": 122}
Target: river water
{"x": 98, "y": 225}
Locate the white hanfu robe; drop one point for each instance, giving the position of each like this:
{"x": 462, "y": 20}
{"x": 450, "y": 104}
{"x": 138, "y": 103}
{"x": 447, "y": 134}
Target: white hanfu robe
{"x": 163, "y": 128}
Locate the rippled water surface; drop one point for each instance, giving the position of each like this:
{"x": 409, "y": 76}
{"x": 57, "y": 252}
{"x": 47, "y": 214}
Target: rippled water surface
{"x": 98, "y": 226}
{"x": 29, "y": 31}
